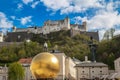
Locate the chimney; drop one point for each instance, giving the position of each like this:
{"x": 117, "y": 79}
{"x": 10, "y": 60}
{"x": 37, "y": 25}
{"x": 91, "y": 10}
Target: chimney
{"x": 86, "y": 58}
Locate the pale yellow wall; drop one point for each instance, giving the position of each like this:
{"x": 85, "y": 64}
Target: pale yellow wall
{"x": 61, "y": 58}
{"x": 70, "y": 68}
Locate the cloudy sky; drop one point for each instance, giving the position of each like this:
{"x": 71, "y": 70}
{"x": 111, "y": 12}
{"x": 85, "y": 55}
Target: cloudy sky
{"x": 100, "y": 15}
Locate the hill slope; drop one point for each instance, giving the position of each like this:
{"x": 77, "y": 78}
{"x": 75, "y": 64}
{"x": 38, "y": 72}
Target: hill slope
{"x": 77, "y": 46}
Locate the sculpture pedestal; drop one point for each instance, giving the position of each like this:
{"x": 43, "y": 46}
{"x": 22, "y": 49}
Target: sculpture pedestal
{"x": 45, "y": 79}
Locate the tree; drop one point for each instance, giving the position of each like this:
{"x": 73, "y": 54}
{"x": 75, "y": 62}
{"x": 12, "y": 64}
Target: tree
{"x": 110, "y": 60}
{"x": 7, "y": 54}
{"x": 21, "y": 53}
{"x": 16, "y": 72}
{"x": 32, "y": 48}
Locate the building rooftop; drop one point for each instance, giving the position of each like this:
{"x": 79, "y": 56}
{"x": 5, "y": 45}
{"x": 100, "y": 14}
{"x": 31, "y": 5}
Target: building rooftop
{"x": 91, "y": 64}
{"x": 25, "y": 60}
{"x": 117, "y": 59}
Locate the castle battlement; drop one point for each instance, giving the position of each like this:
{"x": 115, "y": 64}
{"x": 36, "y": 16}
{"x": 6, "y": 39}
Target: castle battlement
{"x": 53, "y": 26}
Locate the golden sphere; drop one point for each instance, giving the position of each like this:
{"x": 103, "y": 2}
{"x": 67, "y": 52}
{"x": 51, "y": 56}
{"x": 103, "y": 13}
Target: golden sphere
{"x": 44, "y": 65}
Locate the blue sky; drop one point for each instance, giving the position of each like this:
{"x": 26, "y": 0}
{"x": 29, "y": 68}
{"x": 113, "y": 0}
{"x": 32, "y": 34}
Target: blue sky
{"x": 99, "y": 14}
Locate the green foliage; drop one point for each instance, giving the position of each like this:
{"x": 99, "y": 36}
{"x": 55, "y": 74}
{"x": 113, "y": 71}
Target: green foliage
{"x": 21, "y": 53}
{"x": 108, "y": 51}
{"x": 7, "y": 54}
{"x": 32, "y": 48}
{"x": 13, "y": 53}
{"x": 72, "y": 46}
{"x": 16, "y": 72}
{"x": 77, "y": 46}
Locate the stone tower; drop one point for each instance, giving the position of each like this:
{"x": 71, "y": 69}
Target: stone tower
{"x": 67, "y": 23}
{"x": 1, "y": 36}
{"x": 85, "y": 25}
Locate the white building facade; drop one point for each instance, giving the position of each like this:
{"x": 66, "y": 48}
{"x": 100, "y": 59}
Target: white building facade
{"x": 3, "y": 73}
{"x": 117, "y": 65}
{"x": 91, "y": 70}
{"x": 117, "y": 68}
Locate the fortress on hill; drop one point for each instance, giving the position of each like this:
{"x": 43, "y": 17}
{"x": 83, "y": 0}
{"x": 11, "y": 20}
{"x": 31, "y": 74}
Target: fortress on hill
{"x": 22, "y": 34}
{"x": 52, "y": 26}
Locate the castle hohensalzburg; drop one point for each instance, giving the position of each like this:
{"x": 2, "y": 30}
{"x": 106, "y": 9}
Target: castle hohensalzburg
{"x": 22, "y": 34}
{"x": 52, "y": 26}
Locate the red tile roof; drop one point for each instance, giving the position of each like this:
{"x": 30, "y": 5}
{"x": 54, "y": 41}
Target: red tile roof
{"x": 25, "y": 60}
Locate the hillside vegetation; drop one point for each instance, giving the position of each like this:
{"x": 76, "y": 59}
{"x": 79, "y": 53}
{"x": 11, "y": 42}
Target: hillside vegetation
{"x": 72, "y": 46}
{"x": 77, "y": 46}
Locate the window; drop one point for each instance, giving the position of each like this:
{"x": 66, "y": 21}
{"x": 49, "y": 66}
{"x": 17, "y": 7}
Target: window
{"x": 92, "y": 71}
{"x": 83, "y": 71}
{"x": 4, "y": 78}
{"x": 83, "y": 76}
{"x": 101, "y": 71}
{"x": 31, "y": 77}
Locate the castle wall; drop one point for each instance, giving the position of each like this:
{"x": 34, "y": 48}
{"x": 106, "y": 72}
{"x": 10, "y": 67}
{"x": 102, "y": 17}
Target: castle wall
{"x": 74, "y": 32}
{"x": 52, "y": 26}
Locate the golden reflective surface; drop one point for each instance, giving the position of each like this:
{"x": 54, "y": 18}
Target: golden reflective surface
{"x": 44, "y": 65}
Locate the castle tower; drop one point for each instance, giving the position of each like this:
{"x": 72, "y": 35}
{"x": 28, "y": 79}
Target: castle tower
{"x": 85, "y": 25}
{"x": 67, "y": 23}
{"x": 1, "y": 36}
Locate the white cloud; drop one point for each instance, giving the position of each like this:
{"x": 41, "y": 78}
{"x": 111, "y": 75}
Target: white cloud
{"x": 55, "y": 4}
{"x": 72, "y": 9}
{"x": 101, "y": 33}
{"x": 117, "y": 32}
{"x": 32, "y": 4}
{"x": 27, "y": 1}
{"x": 19, "y": 6}
{"x": 71, "y": 6}
{"x": 35, "y": 4}
{"x": 13, "y": 17}
{"x": 25, "y": 20}
{"x": 4, "y": 22}
{"x": 117, "y": 4}
{"x": 104, "y": 19}
{"x": 78, "y": 19}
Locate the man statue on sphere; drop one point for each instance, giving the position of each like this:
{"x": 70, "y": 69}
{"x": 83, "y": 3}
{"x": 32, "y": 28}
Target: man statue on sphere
{"x": 45, "y": 46}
